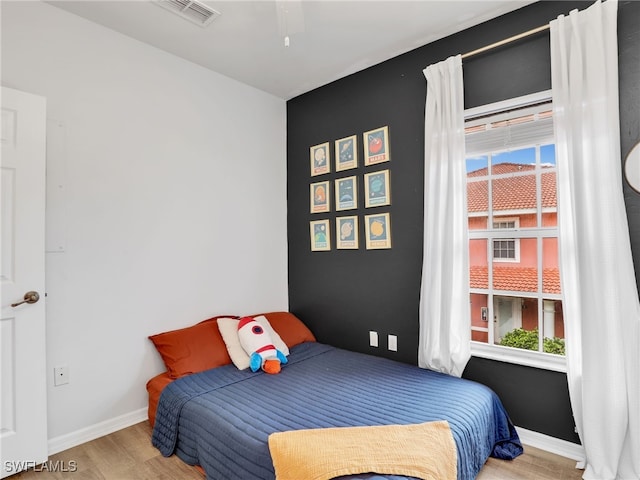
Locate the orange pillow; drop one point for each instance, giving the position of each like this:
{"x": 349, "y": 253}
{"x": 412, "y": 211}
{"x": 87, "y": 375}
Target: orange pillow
{"x": 192, "y": 349}
{"x": 289, "y": 327}
{"x": 155, "y": 387}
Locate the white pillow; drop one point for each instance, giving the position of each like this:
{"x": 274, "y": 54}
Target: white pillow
{"x": 229, "y": 330}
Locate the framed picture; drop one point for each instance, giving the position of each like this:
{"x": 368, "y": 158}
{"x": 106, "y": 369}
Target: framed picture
{"x": 377, "y": 231}
{"x": 346, "y": 154}
{"x": 320, "y": 236}
{"x": 376, "y": 146}
{"x": 347, "y": 232}
{"x": 346, "y": 190}
{"x": 376, "y": 189}
{"x": 319, "y": 197}
{"x": 320, "y": 159}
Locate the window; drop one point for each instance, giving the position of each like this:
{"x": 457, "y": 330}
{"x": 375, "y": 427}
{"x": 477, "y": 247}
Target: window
{"x": 515, "y": 297}
{"x": 506, "y": 250}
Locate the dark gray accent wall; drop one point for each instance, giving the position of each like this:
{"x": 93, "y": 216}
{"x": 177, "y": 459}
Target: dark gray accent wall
{"x": 629, "y": 80}
{"x": 343, "y": 294}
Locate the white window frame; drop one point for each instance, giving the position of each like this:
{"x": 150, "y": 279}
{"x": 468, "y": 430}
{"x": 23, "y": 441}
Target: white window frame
{"x": 516, "y": 241}
{"x": 489, "y": 350}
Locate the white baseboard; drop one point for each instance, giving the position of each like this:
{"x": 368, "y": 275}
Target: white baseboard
{"x": 69, "y": 440}
{"x": 551, "y": 444}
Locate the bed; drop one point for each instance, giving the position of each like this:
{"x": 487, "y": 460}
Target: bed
{"x": 222, "y": 418}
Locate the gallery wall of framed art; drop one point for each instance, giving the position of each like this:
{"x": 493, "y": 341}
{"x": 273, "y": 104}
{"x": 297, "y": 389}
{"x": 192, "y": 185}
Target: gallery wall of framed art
{"x": 373, "y": 182}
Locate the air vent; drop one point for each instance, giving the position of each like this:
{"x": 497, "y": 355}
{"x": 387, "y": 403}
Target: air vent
{"x": 192, "y": 10}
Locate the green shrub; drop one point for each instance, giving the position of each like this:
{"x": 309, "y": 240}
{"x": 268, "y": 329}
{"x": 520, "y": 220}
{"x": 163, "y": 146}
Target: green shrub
{"x": 528, "y": 340}
{"x": 554, "y": 345}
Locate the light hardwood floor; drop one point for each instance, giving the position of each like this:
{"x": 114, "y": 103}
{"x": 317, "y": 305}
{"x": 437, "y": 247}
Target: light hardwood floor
{"x": 129, "y": 455}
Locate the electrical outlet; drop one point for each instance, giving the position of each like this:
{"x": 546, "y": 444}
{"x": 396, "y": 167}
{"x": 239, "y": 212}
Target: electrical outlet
{"x": 392, "y": 343}
{"x": 60, "y": 375}
{"x": 373, "y": 338}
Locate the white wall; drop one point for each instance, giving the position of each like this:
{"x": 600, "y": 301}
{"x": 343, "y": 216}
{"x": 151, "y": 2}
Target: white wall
{"x": 166, "y": 202}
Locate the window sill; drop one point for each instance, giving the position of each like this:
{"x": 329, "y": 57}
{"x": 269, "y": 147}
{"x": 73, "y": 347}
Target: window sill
{"x": 527, "y": 358}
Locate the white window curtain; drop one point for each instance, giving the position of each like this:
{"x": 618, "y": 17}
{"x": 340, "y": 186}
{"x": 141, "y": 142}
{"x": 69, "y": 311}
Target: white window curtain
{"x": 601, "y": 308}
{"x": 445, "y": 325}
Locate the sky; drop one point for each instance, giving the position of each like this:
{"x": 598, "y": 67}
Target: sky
{"x": 525, "y": 156}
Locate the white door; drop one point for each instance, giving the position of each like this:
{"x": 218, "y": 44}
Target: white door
{"x": 507, "y": 315}
{"x": 23, "y": 407}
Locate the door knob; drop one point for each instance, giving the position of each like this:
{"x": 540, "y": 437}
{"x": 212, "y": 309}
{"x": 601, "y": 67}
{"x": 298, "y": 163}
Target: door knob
{"x": 29, "y": 297}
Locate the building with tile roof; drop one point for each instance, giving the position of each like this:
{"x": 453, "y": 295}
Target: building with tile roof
{"x": 513, "y": 192}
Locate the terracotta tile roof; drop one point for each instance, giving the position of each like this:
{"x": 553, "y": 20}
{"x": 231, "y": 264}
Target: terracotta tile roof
{"x": 551, "y": 280}
{"x": 517, "y": 192}
{"x": 514, "y": 278}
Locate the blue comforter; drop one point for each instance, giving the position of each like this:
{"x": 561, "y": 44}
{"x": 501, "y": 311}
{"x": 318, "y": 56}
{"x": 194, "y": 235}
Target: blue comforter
{"x": 221, "y": 418}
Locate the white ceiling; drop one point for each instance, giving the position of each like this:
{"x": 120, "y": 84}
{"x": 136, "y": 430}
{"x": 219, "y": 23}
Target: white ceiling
{"x": 329, "y": 39}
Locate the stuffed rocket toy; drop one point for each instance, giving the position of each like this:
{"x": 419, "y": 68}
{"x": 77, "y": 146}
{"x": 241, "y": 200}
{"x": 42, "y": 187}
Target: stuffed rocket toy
{"x": 256, "y": 341}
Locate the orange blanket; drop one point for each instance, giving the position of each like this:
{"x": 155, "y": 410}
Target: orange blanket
{"x": 425, "y": 450}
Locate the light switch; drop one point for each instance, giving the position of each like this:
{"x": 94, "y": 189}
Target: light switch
{"x": 373, "y": 338}
{"x": 392, "y": 342}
